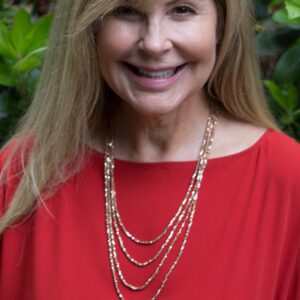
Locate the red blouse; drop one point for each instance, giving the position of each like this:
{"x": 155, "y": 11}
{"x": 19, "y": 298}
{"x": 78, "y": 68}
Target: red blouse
{"x": 243, "y": 245}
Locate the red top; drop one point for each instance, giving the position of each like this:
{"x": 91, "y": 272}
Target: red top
{"x": 243, "y": 245}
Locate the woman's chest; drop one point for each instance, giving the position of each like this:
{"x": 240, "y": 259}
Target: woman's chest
{"x": 232, "y": 252}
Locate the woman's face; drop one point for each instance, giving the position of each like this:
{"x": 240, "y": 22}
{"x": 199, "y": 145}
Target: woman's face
{"x": 158, "y": 57}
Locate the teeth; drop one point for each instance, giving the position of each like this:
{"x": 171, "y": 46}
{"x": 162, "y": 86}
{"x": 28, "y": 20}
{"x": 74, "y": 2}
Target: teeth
{"x": 158, "y": 74}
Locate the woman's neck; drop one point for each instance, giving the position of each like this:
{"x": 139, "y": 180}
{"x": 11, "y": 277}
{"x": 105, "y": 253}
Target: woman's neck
{"x": 173, "y": 137}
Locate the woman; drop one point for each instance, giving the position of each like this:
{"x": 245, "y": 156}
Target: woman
{"x": 105, "y": 194}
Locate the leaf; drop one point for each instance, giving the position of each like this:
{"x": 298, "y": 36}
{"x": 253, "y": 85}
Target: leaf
{"x": 276, "y": 93}
{"x": 6, "y": 77}
{"x": 297, "y": 114}
{"x": 291, "y": 96}
{"x": 6, "y": 48}
{"x": 22, "y": 25}
{"x": 293, "y": 9}
{"x": 27, "y": 64}
{"x": 30, "y": 62}
{"x": 296, "y": 2}
{"x": 288, "y": 66}
{"x": 38, "y": 35}
{"x": 287, "y": 119}
{"x": 281, "y": 16}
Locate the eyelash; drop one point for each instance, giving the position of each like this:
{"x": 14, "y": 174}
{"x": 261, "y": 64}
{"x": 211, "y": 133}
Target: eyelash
{"x": 187, "y": 10}
{"x": 129, "y": 12}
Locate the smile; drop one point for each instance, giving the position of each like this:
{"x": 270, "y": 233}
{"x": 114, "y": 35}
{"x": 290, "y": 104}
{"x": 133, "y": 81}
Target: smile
{"x": 155, "y": 79}
{"x": 158, "y": 74}
{"x": 155, "y": 74}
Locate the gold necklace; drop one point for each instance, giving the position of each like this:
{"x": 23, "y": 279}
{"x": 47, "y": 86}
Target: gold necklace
{"x": 181, "y": 221}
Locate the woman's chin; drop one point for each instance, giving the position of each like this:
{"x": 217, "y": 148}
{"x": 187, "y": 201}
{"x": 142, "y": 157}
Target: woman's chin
{"x": 155, "y": 111}
{"x": 154, "y": 105}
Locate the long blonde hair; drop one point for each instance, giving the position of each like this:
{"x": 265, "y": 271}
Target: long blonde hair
{"x": 50, "y": 143}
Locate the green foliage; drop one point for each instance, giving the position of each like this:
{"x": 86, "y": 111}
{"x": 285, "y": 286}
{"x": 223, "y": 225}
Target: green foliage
{"x": 22, "y": 48}
{"x": 278, "y": 42}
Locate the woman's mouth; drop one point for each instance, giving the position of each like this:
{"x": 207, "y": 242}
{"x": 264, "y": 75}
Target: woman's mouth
{"x": 155, "y": 74}
{"x": 155, "y": 79}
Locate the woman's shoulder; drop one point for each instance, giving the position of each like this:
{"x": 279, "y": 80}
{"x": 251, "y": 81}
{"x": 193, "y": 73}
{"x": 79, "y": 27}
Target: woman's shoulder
{"x": 277, "y": 159}
{"x": 237, "y": 136}
{"x": 282, "y": 144}
{"x": 278, "y": 154}
{"x": 273, "y": 149}
{"x": 15, "y": 146}
{"x": 281, "y": 151}
{"x": 18, "y": 146}
{"x": 13, "y": 157}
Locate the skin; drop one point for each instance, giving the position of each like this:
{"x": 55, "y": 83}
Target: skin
{"x": 165, "y": 123}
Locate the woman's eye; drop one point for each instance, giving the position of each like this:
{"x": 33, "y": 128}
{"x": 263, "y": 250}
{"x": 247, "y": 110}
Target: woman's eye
{"x": 183, "y": 10}
{"x": 127, "y": 12}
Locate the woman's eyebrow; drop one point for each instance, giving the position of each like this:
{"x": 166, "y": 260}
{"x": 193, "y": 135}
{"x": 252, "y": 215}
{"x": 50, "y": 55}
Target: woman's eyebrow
{"x": 172, "y": 2}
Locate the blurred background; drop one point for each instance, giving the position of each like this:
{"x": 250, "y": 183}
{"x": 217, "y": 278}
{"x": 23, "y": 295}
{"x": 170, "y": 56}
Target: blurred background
{"x": 25, "y": 26}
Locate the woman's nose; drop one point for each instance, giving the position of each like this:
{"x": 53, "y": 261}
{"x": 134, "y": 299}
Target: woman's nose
{"x": 154, "y": 39}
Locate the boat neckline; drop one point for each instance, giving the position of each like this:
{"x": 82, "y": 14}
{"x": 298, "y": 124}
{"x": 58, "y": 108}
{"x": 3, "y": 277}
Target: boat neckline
{"x": 235, "y": 155}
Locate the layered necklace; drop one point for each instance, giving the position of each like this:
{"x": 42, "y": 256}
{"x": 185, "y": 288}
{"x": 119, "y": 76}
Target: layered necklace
{"x": 179, "y": 225}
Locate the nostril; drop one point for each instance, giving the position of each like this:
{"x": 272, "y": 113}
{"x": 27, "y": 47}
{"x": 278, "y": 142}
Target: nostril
{"x": 155, "y": 43}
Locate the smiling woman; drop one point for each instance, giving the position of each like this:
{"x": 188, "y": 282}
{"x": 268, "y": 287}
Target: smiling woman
{"x": 155, "y": 63}
{"x": 148, "y": 165}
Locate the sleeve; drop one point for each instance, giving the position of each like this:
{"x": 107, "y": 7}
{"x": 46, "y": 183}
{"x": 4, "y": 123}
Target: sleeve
{"x": 283, "y": 171}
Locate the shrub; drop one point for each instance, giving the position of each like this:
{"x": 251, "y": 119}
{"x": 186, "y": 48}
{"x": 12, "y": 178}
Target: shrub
{"x": 279, "y": 47}
{"x": 22, "y": 47}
